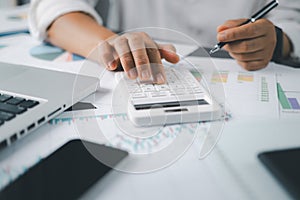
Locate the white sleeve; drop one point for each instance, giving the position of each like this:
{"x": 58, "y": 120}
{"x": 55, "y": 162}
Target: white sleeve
{"x": 43, "y": 12}
{"x": 287, "y": 17}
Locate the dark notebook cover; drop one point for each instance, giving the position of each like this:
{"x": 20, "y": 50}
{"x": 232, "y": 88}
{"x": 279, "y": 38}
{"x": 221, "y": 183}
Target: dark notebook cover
{"x": 65, "y": 174}
{"x": 285, "y": 166}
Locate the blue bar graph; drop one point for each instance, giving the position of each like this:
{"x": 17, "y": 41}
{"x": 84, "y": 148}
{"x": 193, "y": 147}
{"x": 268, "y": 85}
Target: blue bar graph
{"x": 294, "y": 103}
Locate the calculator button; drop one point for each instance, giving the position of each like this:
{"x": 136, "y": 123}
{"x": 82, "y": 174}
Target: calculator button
{"x": 159, "y": 94}
{"x": 138, "y": 95}
{"x": 162, "y": 87}
{"x": 148, "y": 88}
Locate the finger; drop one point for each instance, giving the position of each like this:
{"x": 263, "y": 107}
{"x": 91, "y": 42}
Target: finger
{"x": 246, "y": 46}
{"x": 230, "y": 24}
{"x": 153, "y": 53}
{"x": 157, "y": 69}
{"x": 247, "y": 57}
{"x": 251, "y": 30}
{"x": 140, "y": 56}
{"x": 253, "y": 65}
{"x": 106, "y": 54}
{"x": 168, "y": 52}
{"x": 123, "y": 50}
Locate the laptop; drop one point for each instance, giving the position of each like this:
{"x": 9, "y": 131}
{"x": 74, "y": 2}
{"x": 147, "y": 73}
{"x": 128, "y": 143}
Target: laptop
{"x": 30, "y": 97}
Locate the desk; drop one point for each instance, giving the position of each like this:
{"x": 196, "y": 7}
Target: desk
{"x": 227, "y": 174}
{"x": 231, "y": 171}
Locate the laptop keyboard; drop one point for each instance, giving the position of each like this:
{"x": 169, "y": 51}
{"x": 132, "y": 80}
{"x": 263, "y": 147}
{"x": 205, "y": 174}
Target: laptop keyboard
{"x": 11, "y": 106}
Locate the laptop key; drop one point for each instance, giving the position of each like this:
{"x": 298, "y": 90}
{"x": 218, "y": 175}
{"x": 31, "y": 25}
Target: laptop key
{"x": 5, "y": 116}
{"x": 15, "y": 100}
{"x": 28, "y": 104}
{"x": 11, "y": 108}
{"x": 4, "y": 97}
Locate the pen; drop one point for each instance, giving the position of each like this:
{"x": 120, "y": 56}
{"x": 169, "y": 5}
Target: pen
{"x": 259, "y": 14}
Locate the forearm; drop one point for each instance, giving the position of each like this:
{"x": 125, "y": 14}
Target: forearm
{"x": 77, "y": 32}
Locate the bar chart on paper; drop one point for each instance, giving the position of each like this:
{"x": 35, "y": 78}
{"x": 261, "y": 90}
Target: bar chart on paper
{"x": 288, "y": 94}
{"x": 220, "y": 77}
{"x": 253, "y": 89}
{"x": 245, "y": 77}
{"x": 289, "y": 101}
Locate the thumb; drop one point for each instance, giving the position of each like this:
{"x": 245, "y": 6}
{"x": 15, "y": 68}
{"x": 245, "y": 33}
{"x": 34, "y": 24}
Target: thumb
{"x": 230, "y": 24}
{"x": 168, "y": 52}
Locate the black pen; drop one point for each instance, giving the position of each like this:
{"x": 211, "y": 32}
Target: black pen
{"x": 259, "y": 14}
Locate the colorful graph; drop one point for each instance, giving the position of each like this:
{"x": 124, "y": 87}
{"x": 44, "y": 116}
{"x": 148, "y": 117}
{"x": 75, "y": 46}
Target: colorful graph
{"x": 51, "y": 53}
{"x": 288, "y": 100}
{"x": 197, "y": 75}
{"x": 70, "y": 120}
{"x": 264, "y": 91}
{"x": 135, "y": 145}
{"x": 245, "y": 77}
{"x": 220, "y": 77}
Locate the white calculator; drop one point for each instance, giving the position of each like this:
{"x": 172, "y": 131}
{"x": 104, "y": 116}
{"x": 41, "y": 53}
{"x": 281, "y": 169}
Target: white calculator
{"x": 182, "y": 99}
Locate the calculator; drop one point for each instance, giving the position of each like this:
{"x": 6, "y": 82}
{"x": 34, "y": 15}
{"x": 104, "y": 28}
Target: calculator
{"x": 181, "y": 99}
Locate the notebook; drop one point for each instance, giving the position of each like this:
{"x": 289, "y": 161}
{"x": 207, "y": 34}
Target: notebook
{"x": 285, "y": 166}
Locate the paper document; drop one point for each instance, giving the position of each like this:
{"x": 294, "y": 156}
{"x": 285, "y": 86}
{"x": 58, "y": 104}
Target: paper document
{"x": 14, "y": 19}
{"x": 248, "y": 94}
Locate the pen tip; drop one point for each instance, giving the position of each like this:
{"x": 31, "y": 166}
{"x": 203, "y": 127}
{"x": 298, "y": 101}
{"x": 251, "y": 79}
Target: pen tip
{"x": 215, "y": 49}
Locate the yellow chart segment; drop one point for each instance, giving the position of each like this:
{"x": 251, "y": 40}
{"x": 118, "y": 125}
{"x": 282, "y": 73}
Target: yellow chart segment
{"x": 220, "y": 77}
{"x": 245, "y": 77}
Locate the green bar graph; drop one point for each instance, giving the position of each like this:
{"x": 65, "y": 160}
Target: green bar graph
{"x": 282, "y": 98}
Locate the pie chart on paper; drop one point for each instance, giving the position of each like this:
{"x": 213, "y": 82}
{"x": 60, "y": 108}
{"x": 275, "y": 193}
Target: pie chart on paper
{"x": 2, "y": 46}
{"x": 48, "y": 52}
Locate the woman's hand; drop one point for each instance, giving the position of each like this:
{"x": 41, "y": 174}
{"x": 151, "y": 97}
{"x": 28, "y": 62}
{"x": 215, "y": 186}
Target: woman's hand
{"x": 252, "y": 45}
{"x": 138, "y": 54}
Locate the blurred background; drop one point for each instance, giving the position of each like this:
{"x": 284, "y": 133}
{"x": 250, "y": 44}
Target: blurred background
{"x": 12, "y": 3}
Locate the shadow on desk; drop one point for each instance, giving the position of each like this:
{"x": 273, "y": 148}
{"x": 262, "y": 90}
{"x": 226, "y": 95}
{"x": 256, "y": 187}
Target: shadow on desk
{"x": 204, "y": 52}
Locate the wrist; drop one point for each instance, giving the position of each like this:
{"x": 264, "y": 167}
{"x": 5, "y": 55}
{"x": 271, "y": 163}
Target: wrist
{"x": 281, "y": 50}
{"x": 287, "y": 46}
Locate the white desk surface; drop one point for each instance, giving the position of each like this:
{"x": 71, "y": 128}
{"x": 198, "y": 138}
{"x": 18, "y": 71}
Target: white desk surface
{"x": 231, "y": 171}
